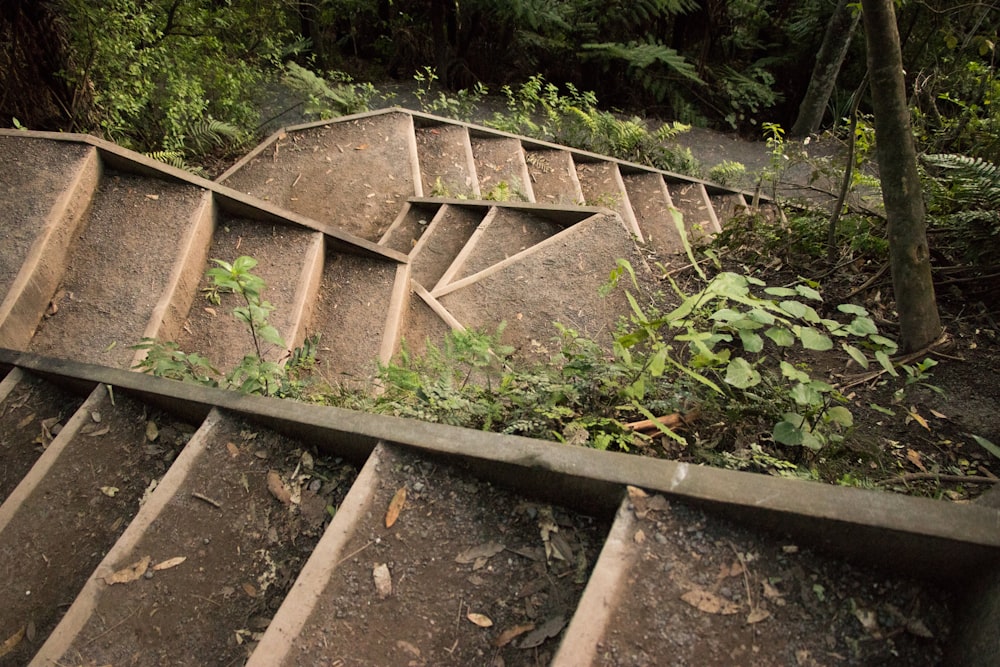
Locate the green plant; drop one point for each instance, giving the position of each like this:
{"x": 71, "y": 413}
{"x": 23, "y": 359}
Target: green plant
{"x": 461, "y": 105}
{"x": 728, "y": 172}
{"x": 323, "y": 100}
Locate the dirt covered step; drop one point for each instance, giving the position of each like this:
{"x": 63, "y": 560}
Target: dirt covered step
{"x": 119, "y": 268}
{"x": 553, "y": 176}
{"x": 72, "y": 506}
{"x": 409, "y": 225}
{"x": 45, "y": 187}
{"x": 692, "y": 200}
{"x": 446, "y": 234}
{"x": 651, "y": 203}
{"x": 501, "y": 168}
{"x": 288, "y": 259}
{"x": 447, "y": 167}
{"x": 706, "y": 592}
{"x": 602, "y": 185}
{"x": 728, "y": 205}
{"x": 503, "y": 233}
{"x": 354, "y": 175}
{"x": 32, "y": 413}
{"x": 208, "y": 559}
{"x": 426, "y": 564}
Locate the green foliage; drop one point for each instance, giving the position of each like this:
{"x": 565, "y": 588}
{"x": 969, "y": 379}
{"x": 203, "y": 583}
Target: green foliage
{"x": 460, "y": 105}
{"x": 323, "y": 100}
{"x": 964, "y": 207}
{"x": 729, "y": 173}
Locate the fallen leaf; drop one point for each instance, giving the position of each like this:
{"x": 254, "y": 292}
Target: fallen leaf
{"x": 472, "y": 554}
{"x": 210, "y": 311}
{"x": 27, "y": 420}
{"x": 710, "y": 603}
{"x": 395, "y": 507}
{"x": 101, "y": 431}
{"x": 361, "y": 147}
{"x": 510, "y": 634}
{"x": 11, "y": 642}
{"x": 757, "y": 615}
{"x": 917, "y": 627}
{"x": 169, "y": 563}
{"x": 278, "y": 488}
{"x": 153, "y": 197}
{"x": 127, "y": 575}
{"x": 249, "y": 589}
{"x": 110, "y": 491}
{"x": 408, "y": 647}
{"x": 549, "y": 628}
{"x": 233, "y": 450}
{"x": 96, "y": 416}
{"x": 913, "y": 457}
{"x": 915, "y": 416}
{"x": 383, "y": 580}
{"x": 639, "y": 536}
{"x": 938, "y": 414}
{"x": 868, "y": 620}
{"x": 29, "y": 631}
{"x": 790, "y": 549}
{"x": 770, "y": 592}
{"x": 152, "y": 432}
{"x": 482, "y": 620}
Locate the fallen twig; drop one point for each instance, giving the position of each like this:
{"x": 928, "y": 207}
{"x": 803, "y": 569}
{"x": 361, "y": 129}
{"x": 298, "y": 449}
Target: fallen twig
{"x": 206, "y": 499}
{"x": 918, "y": 476}
{"x": 675, "y": 420}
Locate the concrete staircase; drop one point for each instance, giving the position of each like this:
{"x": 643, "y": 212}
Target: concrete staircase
{"x": 372, "y": 230}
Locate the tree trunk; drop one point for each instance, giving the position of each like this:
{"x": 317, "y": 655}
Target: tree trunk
{"x": 919, "y": 323}
{"x": 832, "y": 51}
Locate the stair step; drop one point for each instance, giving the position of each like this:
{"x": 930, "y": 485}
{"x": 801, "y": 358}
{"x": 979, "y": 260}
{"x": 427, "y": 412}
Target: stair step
{"x": 45, "y": 188}
{"x": 557, "y": 280}
{"x": 503, "y": 233}
{"x": 118, "y": 269}
{"x": 651, "y": 203}
{"x": 553, "y": 177}
{"x": 84, "y": 491}
{"x": 350, "y": 316}
{"x": 353, "y": 175}
{"x": 422, "y": 325}
{"x": 447, "y": 166}
{"x": 728, "y": 206}
{"x": 243, "y": 545}
{"x": 430, "y": 552}
{"x": 691, "y": 199}
{"x": 602, "y": 185}
{"x": 29, "y": 413}
{"x": 408, "y": 227}
{"x": 282, "y": 254}
{"x": 443, "y": 240}
{"x": 501, "y": 168}
{"x": 647, "y": 584}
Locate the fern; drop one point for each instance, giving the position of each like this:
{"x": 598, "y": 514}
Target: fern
{"x": 973, "y": 181}
{"x": 176, "y": 159}
{"x": 322, "y": 99}
{"x": 642, "y": 55}
{"x": 206, "y": 134}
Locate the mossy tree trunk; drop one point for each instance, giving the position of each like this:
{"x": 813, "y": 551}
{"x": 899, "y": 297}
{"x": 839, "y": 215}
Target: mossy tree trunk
{"x": 832, "y": 51}
{"x": 919, "y": 323}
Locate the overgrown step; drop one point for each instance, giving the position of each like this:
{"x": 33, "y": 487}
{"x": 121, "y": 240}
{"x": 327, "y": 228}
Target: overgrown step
{"x": 72, "y": 506}
{"x": 288, "y": 260}
{"x": 501, "y": 168}
{"x": 230, "y": 541}
{"x": 118, "y": 268}
{"x": 353, "y": 175}
{"x": 447, "y": 166}
{"x": 45, "y": 188}
{"x": 553, "y": 176}
{"x": 452, "y": 556}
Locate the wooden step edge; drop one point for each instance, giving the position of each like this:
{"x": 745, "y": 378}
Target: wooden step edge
{"x": 522, "y": 162}
{"x": 121, "y": 553}
{"x": 411, "y": 147}
{"x": 306, "y": 291}
{"x": 10, "y": 381}
{"x": 171, "y": 310}
{"x": 437, "y": 307}
{"x": 573, "y": 176}
{"x": 431, "y": 226}
{"x": 399, "y": 302}
{"x": 396, "y": 223}
{"x": 23, "y": 491}
{"x": 594, "y": 610}
{"x": 470, "y": 163}
{"x": 463, "y": 254}
{"x": 628, "y": 213}
{"x": 276, "y": 644}
{"x": 516, "y": 257}
{"x": 713, "y": 217}
{"x": 31, "y": 291}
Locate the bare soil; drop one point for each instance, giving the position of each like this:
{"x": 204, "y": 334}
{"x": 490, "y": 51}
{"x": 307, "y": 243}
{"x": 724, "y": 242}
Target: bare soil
{"x": 478, "y": 576}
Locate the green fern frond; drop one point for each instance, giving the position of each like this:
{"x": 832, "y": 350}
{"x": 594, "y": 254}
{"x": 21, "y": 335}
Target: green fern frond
{"x": 173, "y": 158}
{"x": 972, "y": 180}
{"x": 641, "y": 55}
{"x": 203, "y": 135}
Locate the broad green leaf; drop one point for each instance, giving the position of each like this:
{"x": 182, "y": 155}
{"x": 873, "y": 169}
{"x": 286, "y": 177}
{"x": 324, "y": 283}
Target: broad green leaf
{"x": 746, "y": 324}
{"x": 814, "y": 340}
{"x": 805, "y": 395}
{"x": 741, "y": 374}
{"x": 729, "y": 284}
{"x": 820, "y": 386}
{"x": 243, "y": 264}
{"x": 780, "y": 291}
{"x": 271, "y": 335}
{"x": 726, "y": 315}
{"x": 987, "y": 445}
{"x": 810, "y": 440}
{"x": 787, "y": 433}
{"x": 635, "y": 307}
{"x": 856, "y": 354}
{"x": 752, "y": 342}
{"x": 886, "y": 362}
{"x": 851, "y": 309}
{"x": 780, "y": 336}
{"x": 657, "y": 363}
{"x": 808, "y": 292}
{"x": 879, "y": 408}
{"x": 889, "y": 344}
{"x": 840, "y": 415}
{"x": 793, "y": 373}
{"x": 793, "y": 308}
{"x": 862, "y": 326}
{"x": 760, "y": 315}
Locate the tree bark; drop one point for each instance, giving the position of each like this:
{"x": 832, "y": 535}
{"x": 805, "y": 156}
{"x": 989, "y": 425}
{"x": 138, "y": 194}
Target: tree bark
{"x": 919, "y": 323}
{"x": 836, "y": 41}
